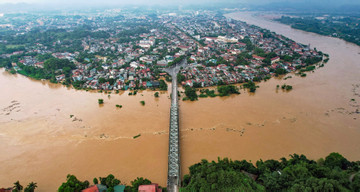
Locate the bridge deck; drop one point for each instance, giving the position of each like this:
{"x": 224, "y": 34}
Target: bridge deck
{"x": 173, "y": 181}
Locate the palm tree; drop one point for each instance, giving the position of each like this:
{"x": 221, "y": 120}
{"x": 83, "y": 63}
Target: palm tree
{"x": 17, "y": 187}
{"x": 31, "y": 187}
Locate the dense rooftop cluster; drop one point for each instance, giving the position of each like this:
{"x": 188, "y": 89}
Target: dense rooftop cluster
{"x": 234, "y": 52}
{"x": 116, "y": 51}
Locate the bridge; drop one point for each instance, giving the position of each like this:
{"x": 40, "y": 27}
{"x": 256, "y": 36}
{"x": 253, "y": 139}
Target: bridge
{"x": 174, "y": 176}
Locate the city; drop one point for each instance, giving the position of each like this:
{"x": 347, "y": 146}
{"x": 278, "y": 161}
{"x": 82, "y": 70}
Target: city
{"x": 127, "y": 96}
{"x": 219, "y": 51}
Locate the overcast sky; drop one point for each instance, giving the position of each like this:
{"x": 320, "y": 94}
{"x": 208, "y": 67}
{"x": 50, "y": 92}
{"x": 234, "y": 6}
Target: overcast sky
{"x": 106, "y": 1}
{"x": 177, "y": 1}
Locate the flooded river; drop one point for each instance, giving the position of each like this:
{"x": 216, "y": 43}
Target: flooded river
{"x": 48, "y": 131}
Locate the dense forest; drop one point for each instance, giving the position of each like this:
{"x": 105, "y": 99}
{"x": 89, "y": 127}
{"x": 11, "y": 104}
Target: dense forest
{"x": 297, "y": 174}
{"x": 334, "y": 173}
{"x": 346, "y": 28}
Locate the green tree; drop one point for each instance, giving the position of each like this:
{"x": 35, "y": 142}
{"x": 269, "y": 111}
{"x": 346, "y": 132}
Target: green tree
{"x": 163, "y": 86}
{"x": 101, "y": 101}
{"x": 355, "y": 184}
{"x": 31, "y": 187}
{"x": 110, "y": 182}
{"x": 336, "y": 160}
{"x": 249, "y": 45}
{"x": 220, "y": 176}
{"x": 102, "y": 80}
{"x": 280, "y": 71}
{"x": 180, "y": 77}
{"x": 17, "y": 187}
{"x": 227, "y": 90}
{"x": 136, "y": 183}
{"x": 251, "y": 86}
{"x": 96, "y": 181}
{"x": 318, "y": 185}
{"x": 5, "y": 63}
{"x": 191, "y": 93}
{"x": 72, "y": 184}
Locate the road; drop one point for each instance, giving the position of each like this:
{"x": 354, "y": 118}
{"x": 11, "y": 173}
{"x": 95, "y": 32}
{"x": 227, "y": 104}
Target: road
{"x": 174, "y": 176}
{"x": 173, "y": 71}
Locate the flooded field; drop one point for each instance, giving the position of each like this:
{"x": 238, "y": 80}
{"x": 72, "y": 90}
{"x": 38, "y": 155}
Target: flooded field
{"x": 48, "y": 131}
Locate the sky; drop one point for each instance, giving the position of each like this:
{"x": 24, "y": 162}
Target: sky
{"x": 101, "y": 1}
{"x": 90, "y": 1}
{"x": 122, "y": 2}
{"x": 176, "y": 1}
{"x": 169, "y": 2}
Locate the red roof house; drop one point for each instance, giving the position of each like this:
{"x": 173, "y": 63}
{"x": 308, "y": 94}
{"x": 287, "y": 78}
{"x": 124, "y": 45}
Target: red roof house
{"x": 275, "y": 59}
{"x": 6, "y": 190}
{"x": 258, "y": 57}
{"x": 91, "y": 189}
{"x": 149, "y": 188}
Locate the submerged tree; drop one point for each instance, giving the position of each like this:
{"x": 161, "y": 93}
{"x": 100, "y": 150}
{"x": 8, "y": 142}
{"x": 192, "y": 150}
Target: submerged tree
{"x": 31, "y": 187}
{"x": 17, "y": 187}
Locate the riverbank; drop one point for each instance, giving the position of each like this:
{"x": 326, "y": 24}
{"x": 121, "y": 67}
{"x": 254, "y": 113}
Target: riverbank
{"x": 329, "y": 26}
{"x": 209, "y": 91}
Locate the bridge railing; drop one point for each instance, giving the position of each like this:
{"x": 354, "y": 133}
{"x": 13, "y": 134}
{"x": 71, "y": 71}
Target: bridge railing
{"x": 173, "y": 182}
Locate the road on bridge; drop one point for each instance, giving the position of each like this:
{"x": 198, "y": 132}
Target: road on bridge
{"x": 174, "y": 176}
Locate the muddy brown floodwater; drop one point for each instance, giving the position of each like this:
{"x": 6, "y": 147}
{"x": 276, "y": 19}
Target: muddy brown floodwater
{"x": 41, "y": 143}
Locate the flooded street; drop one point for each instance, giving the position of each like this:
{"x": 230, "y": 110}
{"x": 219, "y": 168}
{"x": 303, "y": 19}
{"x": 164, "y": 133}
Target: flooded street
{"x": 48, "y": 131}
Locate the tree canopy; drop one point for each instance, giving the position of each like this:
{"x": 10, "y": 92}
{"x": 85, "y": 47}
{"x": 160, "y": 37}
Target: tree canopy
{"x": 72, "y": 184}
{"x": 295, "y": 174}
